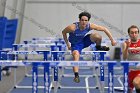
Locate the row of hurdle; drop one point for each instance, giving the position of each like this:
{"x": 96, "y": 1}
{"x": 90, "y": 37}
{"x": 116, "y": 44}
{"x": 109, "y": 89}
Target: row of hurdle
{"x": 57, "y": 61}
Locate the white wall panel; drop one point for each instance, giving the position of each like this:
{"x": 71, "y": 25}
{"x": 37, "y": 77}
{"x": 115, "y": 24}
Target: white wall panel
{"x": 49, "y": 19}
{"x": 2, "y": 7}
{"x": 131, "y": 15}
{"x": 40, "y": 17}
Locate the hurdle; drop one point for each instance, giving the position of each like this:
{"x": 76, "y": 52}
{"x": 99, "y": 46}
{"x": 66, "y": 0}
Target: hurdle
{"x": 62, "y": 51}
{"x": 102, "y": 70}
{"x": 53, "y": 46}
{"x": 55, "y": 57}
{"x": 48, "y": 64}
{"x": 101, "y": 58}
{"x": 35, "y": 64}
{"x": 48, "y": 40}
{"x": 45, "y": 54}
{"x": 27, "y": 45}
{"x": 34, "y": 52}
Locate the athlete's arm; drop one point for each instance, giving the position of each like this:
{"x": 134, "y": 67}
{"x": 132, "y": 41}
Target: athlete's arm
{"x": 68, "y": 29}
{"x": 125, "y": 47}
{"x": 124, "y": 51}
{"x": 107, "y": 32}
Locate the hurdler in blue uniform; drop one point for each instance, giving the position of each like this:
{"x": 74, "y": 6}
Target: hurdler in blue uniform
{"x": 79, "y": 38}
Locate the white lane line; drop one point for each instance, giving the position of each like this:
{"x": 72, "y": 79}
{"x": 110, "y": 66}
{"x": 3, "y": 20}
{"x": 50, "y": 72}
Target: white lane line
{"x": 87, "y": 85}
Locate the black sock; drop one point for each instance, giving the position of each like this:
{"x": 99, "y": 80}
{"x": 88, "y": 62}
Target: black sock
{"x": 76, "y": 74}
{"x": 137, "y": 90}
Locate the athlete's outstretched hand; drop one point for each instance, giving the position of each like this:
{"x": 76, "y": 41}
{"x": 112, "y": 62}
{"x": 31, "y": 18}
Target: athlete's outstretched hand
{"x": 113, "y": 43}
{"x": 128, "y": 42}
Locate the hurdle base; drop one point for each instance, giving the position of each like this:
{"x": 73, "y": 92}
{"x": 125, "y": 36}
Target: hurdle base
{"x": 96, "y": 87}
{"x": 58, "y": 87}
{"x": 30, "y": 75}
{"x": 27, "y": 87}
{"x": 119, "y": 89}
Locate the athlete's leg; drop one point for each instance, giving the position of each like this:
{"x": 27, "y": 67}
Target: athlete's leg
{"x": 95, "y": 37}
{"x": 134, "y": 80}
{"x": 76, "y": 56}
{"x": 76, "y": 50}
{"x": 136, "y": 83}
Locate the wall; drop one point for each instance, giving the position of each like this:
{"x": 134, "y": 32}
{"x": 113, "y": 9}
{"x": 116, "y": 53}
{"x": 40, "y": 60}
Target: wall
{"x": 45, "y": 18}
{"x": 2, "y": 7}
{"x": 48, "y": 18}
{"x": 15, "y": 9}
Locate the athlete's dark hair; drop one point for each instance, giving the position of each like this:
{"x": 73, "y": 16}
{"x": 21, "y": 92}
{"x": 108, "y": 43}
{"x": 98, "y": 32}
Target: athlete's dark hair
{"x": 85, "y": 14}
{"x": 133, "y": 26}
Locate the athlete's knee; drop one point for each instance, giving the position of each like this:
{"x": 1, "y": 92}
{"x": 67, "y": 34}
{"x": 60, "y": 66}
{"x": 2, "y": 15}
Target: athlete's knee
{"x": 136, "y": 82}
{"x": 75, "y": 53}
{"x": 95, "y": 37}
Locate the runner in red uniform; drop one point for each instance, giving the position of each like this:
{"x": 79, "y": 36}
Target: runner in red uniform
{"x": 131, "y": 52}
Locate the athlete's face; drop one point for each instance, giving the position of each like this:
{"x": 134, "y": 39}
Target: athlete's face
{"x": 83, "y": 21}
{"x": 134, "y": 34}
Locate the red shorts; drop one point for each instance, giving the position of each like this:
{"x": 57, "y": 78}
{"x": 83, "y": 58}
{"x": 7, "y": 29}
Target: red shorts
{"x": 132, "y": 74}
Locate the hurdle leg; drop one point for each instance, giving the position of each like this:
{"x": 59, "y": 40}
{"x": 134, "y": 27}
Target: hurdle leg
{"x": 60, "y": 71}
{"x": 0, "y": 73}
{"x": 35, "y": 78}
{"x": 125, "y": 81}
{"x": 102, "y": 83}
{"x": 60, "y": 74}
{"x": 101, "y": 58}
{"x": 0, "y": 66}
{"x": 46, "y": 78}
{"x": 15, "y": 77}
{"x": 55, "y": 82}
{"x": 52, "y": 77}
{"x": 55, "y": 79}
{"x": 110, "y": 78}
{"x": 95, "y": 71}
